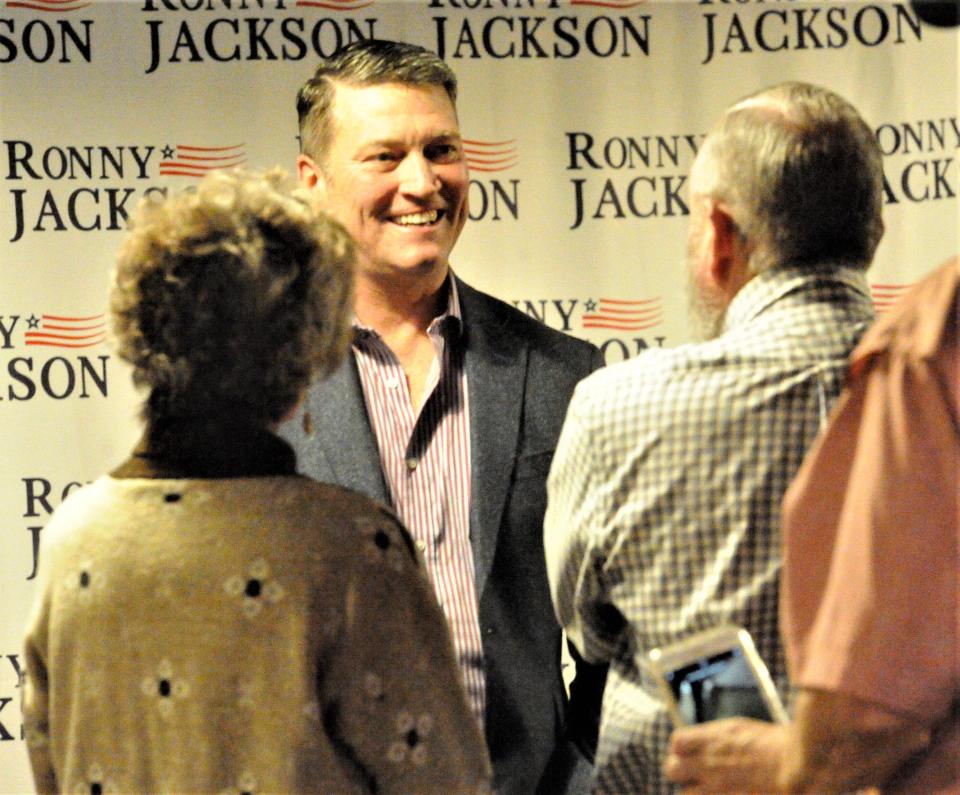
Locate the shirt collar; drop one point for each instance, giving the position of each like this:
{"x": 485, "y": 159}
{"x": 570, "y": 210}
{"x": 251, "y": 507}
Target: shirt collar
{"x": 773, "y": 284}
{"x": 448, "y": 322}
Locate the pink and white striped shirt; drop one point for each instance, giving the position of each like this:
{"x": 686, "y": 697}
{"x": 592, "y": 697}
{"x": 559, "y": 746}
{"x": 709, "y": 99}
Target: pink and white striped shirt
{"x": 426, "y": 464}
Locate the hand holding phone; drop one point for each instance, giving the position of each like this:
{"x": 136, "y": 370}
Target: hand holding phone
{"x": 715, "y": 674}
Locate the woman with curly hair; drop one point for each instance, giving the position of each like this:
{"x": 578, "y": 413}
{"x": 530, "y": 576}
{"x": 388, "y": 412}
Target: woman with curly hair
{"x": 207, "y": 620}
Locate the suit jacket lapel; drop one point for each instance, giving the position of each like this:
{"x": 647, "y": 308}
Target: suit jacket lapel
{"x": 495, "y": 362}
{"x": 342, "y": 429}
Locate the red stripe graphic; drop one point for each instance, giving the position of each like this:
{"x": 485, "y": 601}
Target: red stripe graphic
{"x": 188, "y": 148}
{"x": 196, "y": 161}
{"x": 74, "y": 319}
{"x": 613, "y": 313}
{"x": 54, "y": 327}
{"x": 491, "y": 169}
{"x": 334, "y": 5}
{"x": 491, "y": 156}
{"x": 608, "y": 3}
{"x": 56, "y": 6}
{"x": 65, "y": 344}
{"x": 72, "y": 331}
{"x": 468, "y": 142}
{"x": 886, "y": 296}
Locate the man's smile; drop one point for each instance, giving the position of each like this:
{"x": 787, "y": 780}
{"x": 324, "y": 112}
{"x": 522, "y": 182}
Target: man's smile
{"x": 425, "y": 218}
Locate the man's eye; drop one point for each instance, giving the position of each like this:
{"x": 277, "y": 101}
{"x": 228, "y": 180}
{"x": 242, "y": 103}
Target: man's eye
{"x": 381, "y": 157}
{"x": 443, "y": 152}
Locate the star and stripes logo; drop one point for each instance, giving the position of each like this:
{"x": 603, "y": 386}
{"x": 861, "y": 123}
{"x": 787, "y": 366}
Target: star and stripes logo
{"x": 622, "y": 315}
{"x": 66, "y": 331}
{"x": 188, "y": 160}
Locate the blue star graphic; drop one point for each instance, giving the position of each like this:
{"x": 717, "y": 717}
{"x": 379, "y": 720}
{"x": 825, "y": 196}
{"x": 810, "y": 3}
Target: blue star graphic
{"x": 590, "y": 305}
{"x": 33, "y": 322}
{"x": 168, "y": 152}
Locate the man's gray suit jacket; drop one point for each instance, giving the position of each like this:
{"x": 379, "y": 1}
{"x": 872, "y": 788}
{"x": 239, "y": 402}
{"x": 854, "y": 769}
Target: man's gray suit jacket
{"x": 520, "y": 376}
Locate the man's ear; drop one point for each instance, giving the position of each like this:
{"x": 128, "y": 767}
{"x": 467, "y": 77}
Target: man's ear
{"x": 725, "y": 255}
{"x": 309, "y": 173}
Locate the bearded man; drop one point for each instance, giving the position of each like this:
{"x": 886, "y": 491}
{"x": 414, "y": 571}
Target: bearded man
{"x": 664, "y": 496}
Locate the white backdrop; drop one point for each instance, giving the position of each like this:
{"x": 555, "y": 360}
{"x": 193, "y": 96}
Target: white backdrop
{"x": 582, "y": 117}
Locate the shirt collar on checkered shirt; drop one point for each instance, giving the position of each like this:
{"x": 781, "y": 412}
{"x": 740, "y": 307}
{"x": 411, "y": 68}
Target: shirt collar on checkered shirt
{"x": 770, "y": 286}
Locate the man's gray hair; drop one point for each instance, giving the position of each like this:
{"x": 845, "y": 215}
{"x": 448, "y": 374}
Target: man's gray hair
{"x": 802, "y": 174}
{"x": 364, "y": 62}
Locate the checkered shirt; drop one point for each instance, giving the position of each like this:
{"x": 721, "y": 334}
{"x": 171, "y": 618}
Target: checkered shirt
{"x": 664, "y": 496}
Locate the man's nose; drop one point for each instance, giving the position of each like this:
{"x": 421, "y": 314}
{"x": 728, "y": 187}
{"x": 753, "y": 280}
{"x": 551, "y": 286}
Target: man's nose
{"x": 418, "y": 176}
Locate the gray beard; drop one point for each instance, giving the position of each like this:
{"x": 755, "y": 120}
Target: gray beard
{"x": 707, "y": 310}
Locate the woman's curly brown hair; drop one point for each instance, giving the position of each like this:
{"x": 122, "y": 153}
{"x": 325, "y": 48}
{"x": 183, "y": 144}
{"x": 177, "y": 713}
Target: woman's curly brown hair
{"x": 229, "y": 297}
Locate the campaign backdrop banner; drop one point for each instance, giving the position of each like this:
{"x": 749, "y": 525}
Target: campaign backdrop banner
{"x": 581, "y": 120}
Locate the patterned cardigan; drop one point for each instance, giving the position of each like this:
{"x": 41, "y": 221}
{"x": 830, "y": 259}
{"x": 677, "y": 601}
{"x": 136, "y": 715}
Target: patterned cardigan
{"x": 232, "y": 633}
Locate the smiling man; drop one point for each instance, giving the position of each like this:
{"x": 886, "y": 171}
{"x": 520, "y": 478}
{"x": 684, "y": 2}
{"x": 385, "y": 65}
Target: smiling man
{"x": 450, "y": 407}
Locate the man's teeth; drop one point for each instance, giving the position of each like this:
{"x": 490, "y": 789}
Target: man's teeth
{"x": 429, "y": 217}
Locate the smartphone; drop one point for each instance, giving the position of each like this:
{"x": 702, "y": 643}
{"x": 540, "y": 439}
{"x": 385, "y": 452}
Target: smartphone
{"x": 715, "y": 674}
